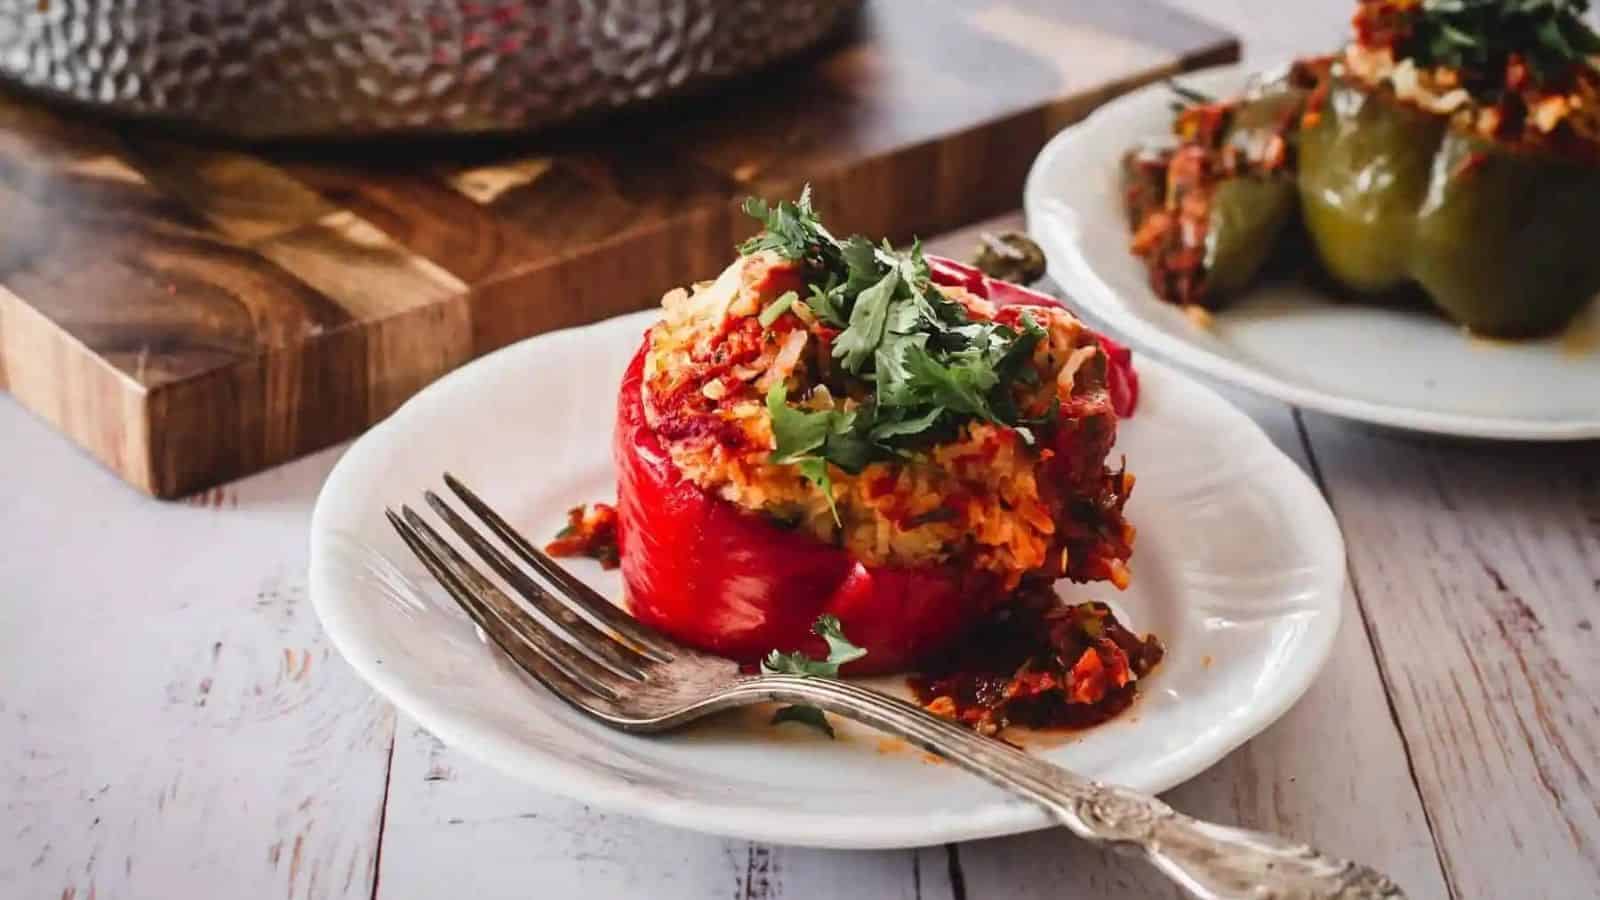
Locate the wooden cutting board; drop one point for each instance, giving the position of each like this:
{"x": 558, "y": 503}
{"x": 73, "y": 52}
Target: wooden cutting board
{"x": 189, "y": 312}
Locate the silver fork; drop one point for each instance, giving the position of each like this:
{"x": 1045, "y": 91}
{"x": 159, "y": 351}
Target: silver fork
{"x": 602, "y": 661}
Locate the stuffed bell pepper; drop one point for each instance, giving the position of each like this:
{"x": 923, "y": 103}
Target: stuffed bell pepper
{"x": 1208, "y": 204}
{"x": 836, "y": 428}
{"x": 1458, "y": 148}
{"x": 1452, "y": 150}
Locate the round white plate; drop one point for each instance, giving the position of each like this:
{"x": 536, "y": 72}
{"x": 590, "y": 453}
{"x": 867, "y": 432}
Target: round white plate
{"x": 1401, "y": 368}
{"x": 1239, "y": 568}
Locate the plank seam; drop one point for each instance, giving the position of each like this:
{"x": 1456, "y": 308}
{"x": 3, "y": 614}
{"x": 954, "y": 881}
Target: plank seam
{"x": 383, "y": 810}
{"x": 958, "y": 878}
{"x": 1384, "y": 675}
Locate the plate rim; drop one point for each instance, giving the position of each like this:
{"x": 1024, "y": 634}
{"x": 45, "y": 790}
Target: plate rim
{"x": 576, "y": 781}
{"x": 1067, "y": 264}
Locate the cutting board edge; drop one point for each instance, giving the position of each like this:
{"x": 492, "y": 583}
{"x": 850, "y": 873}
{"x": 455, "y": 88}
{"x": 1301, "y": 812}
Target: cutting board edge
{"x": 107, "y": 418}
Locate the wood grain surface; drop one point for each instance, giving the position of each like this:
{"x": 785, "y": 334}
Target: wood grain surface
{"x": 189, "y": 313}
{"x": 197, "y": 737}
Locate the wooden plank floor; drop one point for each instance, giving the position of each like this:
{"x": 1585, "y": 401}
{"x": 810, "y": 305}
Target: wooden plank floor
{"x": 172, "y": 723}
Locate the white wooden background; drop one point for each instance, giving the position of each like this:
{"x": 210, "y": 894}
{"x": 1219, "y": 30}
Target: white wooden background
{"x": 173, "y": 723}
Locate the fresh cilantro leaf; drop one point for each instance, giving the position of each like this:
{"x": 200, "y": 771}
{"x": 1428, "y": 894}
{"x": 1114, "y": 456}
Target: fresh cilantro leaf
{"x": 799, "y": 433}
{"x": 791, "y": 230}
{"x": 777, "y": 308}
{"x": 847, "y": 446}
{"x": 826, "y": 306}
{"x": 1018, "y": 350}
{"x": 903, "y": 317}
{"x": 896, "y": 386}
{"x": 1583, "y": 39}
{"x": 907, "y": 427}
{"x": 796, "y": 432}
{"x": 856, "y": 344}
{"x": 805, "y": 715}
{"x": 1479, "y": 37}
{"x": 815, "y": 470}
{"x": 862, "y": 269}
{"x": 810, "y": 440}
{"x": 914, "y": 265}
{"x": 840, "y": 652}
{"x": 789, "y": 664}
{"x": 960, "y": 385}
{"x": 1453, "y": 36}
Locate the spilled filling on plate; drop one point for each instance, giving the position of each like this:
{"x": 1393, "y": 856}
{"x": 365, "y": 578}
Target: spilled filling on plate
{"x": 1039, "y": 664}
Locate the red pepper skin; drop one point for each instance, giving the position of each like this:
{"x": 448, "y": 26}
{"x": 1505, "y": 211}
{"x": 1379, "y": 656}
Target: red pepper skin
{"x": 1122, "y": 380}
{"x": 722, "y": 579}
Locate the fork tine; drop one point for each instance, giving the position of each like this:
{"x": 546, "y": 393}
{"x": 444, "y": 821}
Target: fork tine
{"x": 605, "y": 649}
{"x": 481, "y": 592}
{"x": 570, "y": 589}
{"x": 521, "y": 653}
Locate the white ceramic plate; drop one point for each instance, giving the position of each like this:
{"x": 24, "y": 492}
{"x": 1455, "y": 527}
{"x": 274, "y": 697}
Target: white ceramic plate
{"x": 1400, "y": 368}
{"x": 1239, "y": 568}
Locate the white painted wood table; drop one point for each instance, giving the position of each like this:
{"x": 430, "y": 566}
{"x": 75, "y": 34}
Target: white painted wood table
{"x": 173, "y": 724}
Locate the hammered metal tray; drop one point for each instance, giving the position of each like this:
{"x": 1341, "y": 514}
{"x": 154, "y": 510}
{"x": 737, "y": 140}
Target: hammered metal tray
{"x": 318, "y": 68}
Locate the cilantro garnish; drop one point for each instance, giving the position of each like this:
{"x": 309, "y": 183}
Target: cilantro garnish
{"x": 790, "y": 229}
{"x": 805, "y": 715}
{"x": 869, "y": 314}
{"x": 1478, "y": 37}
{"x": 932, "y": 367}
{"x": 811, "y": 440}
{"x": 840, "y": 651}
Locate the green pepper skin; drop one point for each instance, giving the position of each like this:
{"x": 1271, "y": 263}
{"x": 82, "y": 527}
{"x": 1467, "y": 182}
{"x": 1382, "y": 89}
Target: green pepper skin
{"x": 1250, "y": 212}
{"x": 1511, "y": 248}
{"x": 1247, "y": 216}
{"x": 1503, "y": 240}
{"x": 1364, "y": 173}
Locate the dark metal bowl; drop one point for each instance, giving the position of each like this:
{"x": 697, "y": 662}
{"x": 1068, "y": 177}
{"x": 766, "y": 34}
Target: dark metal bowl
{"x": 304, "y": 68}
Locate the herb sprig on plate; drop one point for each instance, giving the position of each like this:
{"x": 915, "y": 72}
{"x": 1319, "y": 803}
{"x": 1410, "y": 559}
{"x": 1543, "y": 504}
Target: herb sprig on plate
{"x": 840, "y": 651}
{"x": 933, "y": 368}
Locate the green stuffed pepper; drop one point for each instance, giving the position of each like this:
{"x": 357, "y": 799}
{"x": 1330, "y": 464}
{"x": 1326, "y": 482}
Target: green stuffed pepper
{"x": 1502, "y": 237}
{"x": 1454, "y": 146}
{"x": 1207, "y": 206}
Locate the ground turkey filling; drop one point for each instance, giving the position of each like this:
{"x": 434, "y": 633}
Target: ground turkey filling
{"x": 983, "y": 497}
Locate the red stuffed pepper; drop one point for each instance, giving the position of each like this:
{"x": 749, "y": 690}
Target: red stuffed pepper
{"x": 835, "y": 428}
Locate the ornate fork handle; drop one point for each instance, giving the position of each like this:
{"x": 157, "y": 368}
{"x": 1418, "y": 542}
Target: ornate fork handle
{"x": 1214, "y": 862}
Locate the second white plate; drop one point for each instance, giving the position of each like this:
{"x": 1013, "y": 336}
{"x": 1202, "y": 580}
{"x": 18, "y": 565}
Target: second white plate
{"x": 1401, "y": 368}
{"x": 1239, "y": 567}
